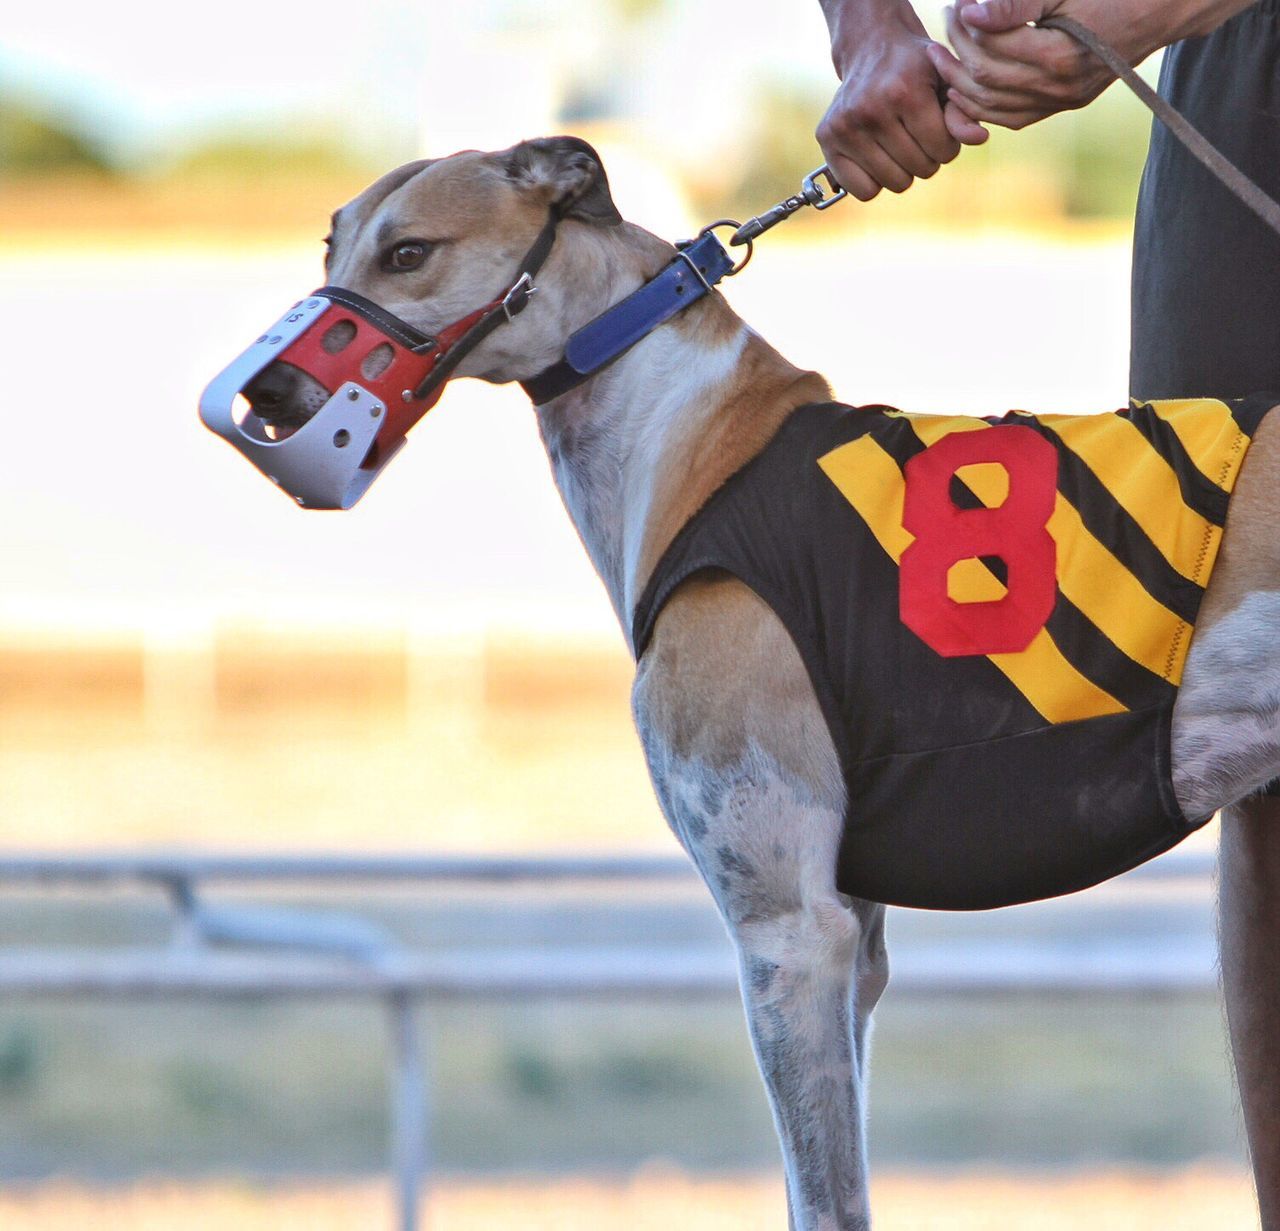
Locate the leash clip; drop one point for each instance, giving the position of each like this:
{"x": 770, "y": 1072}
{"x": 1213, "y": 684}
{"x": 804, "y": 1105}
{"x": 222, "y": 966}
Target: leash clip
{"x": 811, "y": 192}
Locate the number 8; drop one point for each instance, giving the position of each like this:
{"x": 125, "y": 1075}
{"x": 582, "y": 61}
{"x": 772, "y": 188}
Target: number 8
{"x": 1014, "y": 531}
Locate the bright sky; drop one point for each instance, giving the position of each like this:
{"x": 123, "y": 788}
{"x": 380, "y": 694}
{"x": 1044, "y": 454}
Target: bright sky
{"x": 147, "y": 71}
{"x": 408, "y": 75}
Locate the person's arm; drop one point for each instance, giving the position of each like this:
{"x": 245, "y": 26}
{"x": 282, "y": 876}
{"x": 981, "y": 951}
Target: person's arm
{"x": 1009, "y": 73}
{"x": 886, "y": 126}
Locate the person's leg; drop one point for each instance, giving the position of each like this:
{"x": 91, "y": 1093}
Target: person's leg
{"x": 1206, "y": 270}
{"x": 1206, "y": 322}
{"x": 1249, "y": 939}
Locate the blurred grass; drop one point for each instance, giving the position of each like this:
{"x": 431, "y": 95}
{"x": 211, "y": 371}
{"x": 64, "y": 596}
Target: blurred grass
{"x": 269, "y": 1088}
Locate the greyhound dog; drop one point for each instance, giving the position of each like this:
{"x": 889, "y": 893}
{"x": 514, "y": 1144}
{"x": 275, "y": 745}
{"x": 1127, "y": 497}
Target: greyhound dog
{"x": 740, "y": 752}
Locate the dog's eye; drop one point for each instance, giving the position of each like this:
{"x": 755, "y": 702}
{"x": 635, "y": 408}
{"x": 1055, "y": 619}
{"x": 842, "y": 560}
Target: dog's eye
{"x": 406, "y": 255}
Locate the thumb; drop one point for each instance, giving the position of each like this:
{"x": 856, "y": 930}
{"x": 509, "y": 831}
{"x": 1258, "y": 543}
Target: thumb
{"x": 997, "y": 16}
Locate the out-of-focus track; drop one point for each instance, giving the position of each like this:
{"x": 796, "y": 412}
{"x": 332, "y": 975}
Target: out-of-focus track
{"x": 657, "y": 1199}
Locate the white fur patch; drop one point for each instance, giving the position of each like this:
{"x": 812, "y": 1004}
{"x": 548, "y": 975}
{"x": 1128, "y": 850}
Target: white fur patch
{"x": 1226, "y": 724}
{"x": 607, "y": 452}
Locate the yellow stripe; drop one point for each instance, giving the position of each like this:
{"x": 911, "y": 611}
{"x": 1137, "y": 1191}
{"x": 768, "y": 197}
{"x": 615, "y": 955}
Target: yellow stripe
{"x": 872, "y": 482}
{"x": 1143, "y": 484}
{"x": 1211, "y": 437}
{"x": 1052, "y": 685}
{"x": 1113, "y": 599}
{"x": 869, "y": 479}
{"x": 970, "y": 581}
{"x": 932, "y": 428}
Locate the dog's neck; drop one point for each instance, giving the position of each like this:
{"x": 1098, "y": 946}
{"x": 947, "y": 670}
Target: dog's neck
{"x": 640, "y": 447}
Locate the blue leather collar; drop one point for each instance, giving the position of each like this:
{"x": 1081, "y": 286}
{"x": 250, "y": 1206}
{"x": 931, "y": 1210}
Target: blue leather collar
{"x": 701, "y": 263}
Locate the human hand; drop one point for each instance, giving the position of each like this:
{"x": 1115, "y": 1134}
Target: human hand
{"x": 1007, "y": 72}
{"x": 886, "y": 126}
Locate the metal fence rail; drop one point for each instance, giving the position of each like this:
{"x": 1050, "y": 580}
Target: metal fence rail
{"x": 220, "y": 951}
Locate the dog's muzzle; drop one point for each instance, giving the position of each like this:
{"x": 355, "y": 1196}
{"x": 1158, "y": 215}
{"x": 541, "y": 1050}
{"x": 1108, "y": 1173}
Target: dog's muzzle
{"x": 376, "y": 370}
{"x": 380, "y": 375}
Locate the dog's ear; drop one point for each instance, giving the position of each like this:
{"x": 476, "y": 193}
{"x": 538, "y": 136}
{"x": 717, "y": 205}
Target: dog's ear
{"x": 571, "y": 175}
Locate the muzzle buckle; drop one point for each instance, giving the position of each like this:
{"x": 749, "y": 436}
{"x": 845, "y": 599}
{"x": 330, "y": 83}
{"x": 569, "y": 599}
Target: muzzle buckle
{"x": 517, "y": 298}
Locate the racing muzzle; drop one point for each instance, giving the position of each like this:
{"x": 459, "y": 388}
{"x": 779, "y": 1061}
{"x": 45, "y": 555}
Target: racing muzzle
{"x": 381, "y": 376}
{"x": 337, "y": 338}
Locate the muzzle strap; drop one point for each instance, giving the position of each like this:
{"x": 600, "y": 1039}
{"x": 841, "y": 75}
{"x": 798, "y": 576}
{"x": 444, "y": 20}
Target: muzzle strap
{"x": 390, "y": 324}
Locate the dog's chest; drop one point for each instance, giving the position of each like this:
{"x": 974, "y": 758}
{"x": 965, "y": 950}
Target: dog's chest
{"x": 994, "y": 615}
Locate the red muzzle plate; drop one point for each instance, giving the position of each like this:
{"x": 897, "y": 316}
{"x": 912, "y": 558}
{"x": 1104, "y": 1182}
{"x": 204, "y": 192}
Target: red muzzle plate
{"x": 331, "y": 354}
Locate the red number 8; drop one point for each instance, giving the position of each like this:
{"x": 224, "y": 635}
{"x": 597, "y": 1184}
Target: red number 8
{"x": 1014, "y": 531}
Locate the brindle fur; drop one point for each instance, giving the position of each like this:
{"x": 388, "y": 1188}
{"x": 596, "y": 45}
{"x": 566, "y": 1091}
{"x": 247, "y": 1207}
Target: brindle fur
{"x": 741, "y": 759}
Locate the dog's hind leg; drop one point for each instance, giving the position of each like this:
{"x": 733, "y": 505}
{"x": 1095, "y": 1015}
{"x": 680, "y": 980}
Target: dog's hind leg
{"x": 1226, "y": 723}
{"x": 1226, "y": 743}
{"x": 747, "y": 776}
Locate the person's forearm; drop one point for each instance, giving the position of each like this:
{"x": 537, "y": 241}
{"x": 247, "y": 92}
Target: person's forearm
{"x": 1138, "y": 27}
{"x": 1205, "y": 16}
{"x": 850, "y": 21}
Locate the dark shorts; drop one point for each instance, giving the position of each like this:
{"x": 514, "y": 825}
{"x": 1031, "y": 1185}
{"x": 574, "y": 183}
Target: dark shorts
{"x": 1206, "y": 270}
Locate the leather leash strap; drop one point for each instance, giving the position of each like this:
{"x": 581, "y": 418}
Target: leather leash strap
{"x": 1232, "y": 178}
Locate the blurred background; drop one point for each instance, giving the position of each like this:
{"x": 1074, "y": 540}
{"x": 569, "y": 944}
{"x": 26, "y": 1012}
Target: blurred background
{"x": 188, "y": 662}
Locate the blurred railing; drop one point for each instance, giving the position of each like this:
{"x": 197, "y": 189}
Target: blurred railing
{"x": 219, "y": 950}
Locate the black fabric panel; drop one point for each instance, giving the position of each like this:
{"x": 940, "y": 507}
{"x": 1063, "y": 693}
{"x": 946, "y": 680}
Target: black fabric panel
{"x": 1198, "y": 492}
{"x": 969, "y": 830}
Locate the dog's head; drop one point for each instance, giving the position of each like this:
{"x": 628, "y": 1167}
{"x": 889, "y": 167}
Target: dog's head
{"x": 433, "y": 240}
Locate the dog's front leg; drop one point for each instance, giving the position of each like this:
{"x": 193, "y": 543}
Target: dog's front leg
{"x": 809, "y": 1031}
{"x": 747, "y": 777}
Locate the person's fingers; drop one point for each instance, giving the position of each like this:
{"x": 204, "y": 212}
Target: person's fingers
{"x": 991, "y": 82}
{"x": 851, "y": 177}
{"x": 885, "y": 168}
{"x": 1028, "y": 68}
{"x": 995, "y": 16}
{"x": 927, "y": 127}
{"x": 871, "y": 136}
{"x": 1006, "y": 117}
{"x": 1048, "y": 51}
{"x": 962, "y": 126}
{"x": 986, "y": 61}
{"x": 901, "y": 146}
{"x": 849, "y": 145}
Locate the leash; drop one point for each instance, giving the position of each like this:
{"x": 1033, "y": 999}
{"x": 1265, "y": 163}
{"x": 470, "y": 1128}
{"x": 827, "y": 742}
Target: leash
{"x": 1197, "y": 144}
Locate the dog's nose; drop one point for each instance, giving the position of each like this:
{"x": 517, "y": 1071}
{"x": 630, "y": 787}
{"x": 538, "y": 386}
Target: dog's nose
{"x": 284, "y": 397}
{"x": 271, "y": 391}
